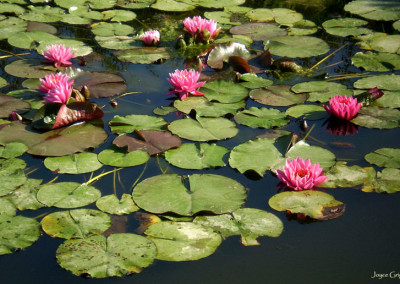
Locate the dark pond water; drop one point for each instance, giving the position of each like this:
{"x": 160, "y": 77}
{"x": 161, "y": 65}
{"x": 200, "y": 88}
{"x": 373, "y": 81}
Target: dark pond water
{"x": 349, "y": 249}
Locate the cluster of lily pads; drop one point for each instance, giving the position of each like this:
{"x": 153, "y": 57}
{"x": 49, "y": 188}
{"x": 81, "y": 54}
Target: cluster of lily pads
{"x": 187, "y": 217}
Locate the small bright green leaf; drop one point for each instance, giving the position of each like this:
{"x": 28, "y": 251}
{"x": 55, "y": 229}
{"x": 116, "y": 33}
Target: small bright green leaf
{"x": 258, "y": 155}
{"x": 261, "y": 117}
{"x": 73, "y": 164}
{"x": 130, "y": 123}
{"x": 250, "y": 223}
{"x": 183, "y": 241}
{"x": 309, "y": 112}
{"x": 99, "y": 257}
{"x": 164, "y": 110}
{"x": 67, "y": 194}
{"x": 204, "y": 129}
{"x": 75, "y": 224}
{"x": 197, "y": 156}
{"x": 204, "y": 192}
{"x": 119, "y": 158}
{"x": 17, "y": 233}
{"x": 112, "y": 205}
{"x": 315, "y": 204}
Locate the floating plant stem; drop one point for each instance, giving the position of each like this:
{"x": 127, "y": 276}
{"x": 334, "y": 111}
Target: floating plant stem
{"x": 12, "y": 54}
{"x": 125, "y": 94}
{"x": 140, "y": 176}
{"x": 114, "y": 186}
{"x": 159, "y": 165}
{"x": 91, "y": 180}
{"x": 53, "y": 180}
{"x": 41, "y": 215}
{"x": 31, "y": 171}
{"x": 309, "y": 131}
{"x": 326, "y": 57}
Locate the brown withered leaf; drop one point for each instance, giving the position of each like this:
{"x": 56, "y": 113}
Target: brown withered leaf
{"x": 154, "y": 141}
{"x": 239, "y": 64}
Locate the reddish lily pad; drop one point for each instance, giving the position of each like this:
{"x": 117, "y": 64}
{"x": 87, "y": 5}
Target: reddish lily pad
{"x": 75, "y": 138}
{"x": 154, "y": 141}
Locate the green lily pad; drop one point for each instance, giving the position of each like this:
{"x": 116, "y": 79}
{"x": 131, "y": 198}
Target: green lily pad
{"x": 250, "y": 223}
{"x": 183, "y": 241}
{"x": 321, "y": 91}
{"x": 99, "y": 257}
{"x": 224, "y": 91}
{"x": 380, "y": 62}
{"x": 119, "y": 158}
{"x": 388, "y": 43}
{"x": 7, "y": 207}
{"x": 130, "y": 123}
{"x": 67, "y": 194}
{"x": 390, "y": 100}
{"x": 164, "y": 110}
{"x": 10, "y": 180}
{"x": 17, "y": 233}
{"x": 204, "y": 107}
{"x": 277, "y": 95}
{"x": 197, "y": 156}
{"x": 24, "y": 197}
{"x": 396, "y": 25}
{"x": 204, "y": 129}
{"x": 341, "y": 175}
{"x": 323, "y": 157}
{"x": 282, "y": 16}
{"x": 303, "y": 28}
{"x": 261, "y": 117}
{"x": 115, "y": 42}
{"x": 11, "y": 8}
{"x": 258, "y": 155}
{"x": 119, "y": 15}
{"x": 384, "y": 157}
{"x": 253, "y": 81}
{"x": 258, "y": 31}
{"x": 94, "y": 4}
{"x": 143, "y": 55}
{"x": 12, "y": 150}
{"x": 135, "y": 4}
{"x": 216, "y": 3}
{"x": 44, "y": 14}
{"x": 308, "y": 112}
{"x": 29, "y": 68}
{"x": 112, "y": 205}
{"x": 112, "y": 29}
{"x": 315, "y": 204}
{"x": 376, "y": 117}
{"x": 74, "y": 138}
{"x": 222, "y": 18}
{"x": 3, "y": 82}
{"x": 172, "y": 6}
{"x": 73, "y": 164}
{"x": 75, "y": 224}
{"x": 346, "y": 27}
{"x": 383, "y": 82}
{"x": 206, "y": 192}
{"x": 9, "y": 166}
{"x": 78, "y": 47}
{"x": 296, "y": 46}
{"x": 378, "y": 10}
{"x": 10, "y": 26}
{"x": 30, "y": 40}
{"x": 387, "y": 181}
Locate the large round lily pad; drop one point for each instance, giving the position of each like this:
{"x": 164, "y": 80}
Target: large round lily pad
{"x": 384, "y": 157}
{"x": 296, "y": 46}
{"x": 130, "y": 123}
{"x": 29, "y": 68}
{"x": 250, "y": 223}
{"x": 315, "y": 204}
{"x": 379, "y": 10}
{"x": 119, "y": 158}
{"x": 277, "y": 95}
{"x": 390, "y": 43}
{"x": 197, "y": 156}
{"x": 99, "y": 257}
{"x": 183, "y": 241}
{"x": 204, "y": 129}
{"x": 224, "y": 91}
{"x": 321, "y": 91}
{"x": 172, "y": 193}
{"x": 73, "y": 164}
{"x": 258, "y": 155}
{"x": 308, "y": 112}
{"x": 67, "y": 194}
{"x": 75, "y": 224}
{"x": 261, "y": 117}
{"x": 17, "y": 233}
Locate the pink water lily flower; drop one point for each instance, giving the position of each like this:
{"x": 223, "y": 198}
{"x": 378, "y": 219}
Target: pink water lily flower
{"x": 201, "y": 29}
{"x": 151, "y": 37}
{"x": 59, "y": 54}
{"x": 185, "y": 83}
{"x": 343, "y": 107}
{"x": 60, "y": 93}
{"x": 52, "y": 80}
{"x": 301, "y": 175}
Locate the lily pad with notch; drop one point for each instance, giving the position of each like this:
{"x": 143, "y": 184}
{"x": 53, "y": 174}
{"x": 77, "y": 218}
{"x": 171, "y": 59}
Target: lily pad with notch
{"x": 261, "y": 117}
{"x": 118, "y": 157}
{"x": 143, "y": 55}
{"x": 130, "y": 123}
{"x": 224, "y": 91}
{"x": 277, "y": 95}
{"x": 73, "y": 164}
{"x": 112, "y": 205}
